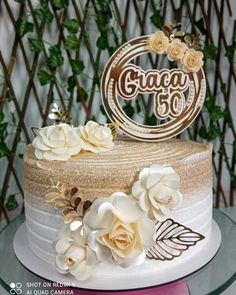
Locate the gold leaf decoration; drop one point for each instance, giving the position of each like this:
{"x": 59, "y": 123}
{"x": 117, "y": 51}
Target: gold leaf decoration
{"x": 114, "y": 128}
{"x": 68, "y": 200}
{"x": 172, "y": 239}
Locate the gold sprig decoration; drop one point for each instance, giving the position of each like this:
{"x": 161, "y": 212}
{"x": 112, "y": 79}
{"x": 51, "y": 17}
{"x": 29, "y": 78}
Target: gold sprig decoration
{"x": 174, "y": 31}
{"x": 59, "y": 115}
{"x": 114, "y": 126}
{"x": 67, "y": 199}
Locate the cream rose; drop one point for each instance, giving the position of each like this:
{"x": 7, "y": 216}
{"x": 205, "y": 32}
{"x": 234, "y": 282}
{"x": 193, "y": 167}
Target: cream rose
{"x": 73, "y": 255}
{"x": 158, "y": 42}
{"x": 57, "y": 142}
{"x": 117, "y": 229}
{"x": 96, "y": 138}
{"x": 176, "y": 49}
{"x": 157, "y": 191}
{"x": 192, "y": 60}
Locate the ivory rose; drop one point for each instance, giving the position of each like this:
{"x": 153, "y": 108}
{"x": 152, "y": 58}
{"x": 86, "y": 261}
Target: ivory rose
{"x": 117, "y": 229}
{"x": 192, "y": 60}
{"x": 157, "y": 191}
{"x": 176, "y": 49}
{"x": 57, "y": 142}
{"x": 96, "y": 138}
{"x": 158, "y": 42}
{"x": 73, "y": 255}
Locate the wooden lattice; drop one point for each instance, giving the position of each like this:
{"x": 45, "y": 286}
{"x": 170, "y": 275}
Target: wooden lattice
{"x": 103, "y": 26}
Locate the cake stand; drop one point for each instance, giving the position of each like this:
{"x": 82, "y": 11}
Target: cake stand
{"x": 213, "y": 278}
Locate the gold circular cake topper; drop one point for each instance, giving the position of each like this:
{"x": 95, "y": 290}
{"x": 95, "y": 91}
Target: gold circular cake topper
{"x": 178, "y": 94}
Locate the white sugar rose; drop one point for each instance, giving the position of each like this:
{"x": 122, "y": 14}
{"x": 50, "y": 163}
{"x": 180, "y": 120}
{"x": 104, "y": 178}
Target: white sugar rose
{"x": 117, "y": 229}
{"x": 96, "y": 138}
{"x": 192, "y": 60}
{"x": 73, "y": 255}
{"x": 157, "y": 191}
{"x": 57, "y": 142}
{"x": 158, "y": 42}
{"x": 176, "y": 49}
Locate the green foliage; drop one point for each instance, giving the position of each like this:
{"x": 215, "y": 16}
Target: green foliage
{"x": 55, "y": 58}
{"x": 229, "y": 52}
{"x": 210, "y": 52}
{"x": 201, "y": 26}
{"x": 23, "y": 27}
{"x": 103, "y": 16}
{"x": 138, "y": 107}
{"x": 150, "y": 120}
{"x": 11, "y": 203}
{"x": 59, "y": 4}
{"x": 44, "y": 77}
{"x": 157, "y": 19}
{"x": 71, "y": 82}
{"x": 102, "y": 42}
{"x": 1, "y": 116}
{"x": 129, "y": 110}
{"x": 77, "y": 66}
{"x": 4, "y": 150}
{"x": 233, "y": 180}
{"x": 223, "y": 89}
{"x": 72, "y": 42}
{"x": 36, "y": 45}
{"x": 103, "y": 110}
{"x": 43, "y": 12}
{"x": 82, "y": 95}
{"x": 72, "y": 25}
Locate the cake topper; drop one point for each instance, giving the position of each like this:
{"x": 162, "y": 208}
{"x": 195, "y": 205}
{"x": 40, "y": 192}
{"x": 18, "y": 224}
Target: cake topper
{"x": 178, "y": 94}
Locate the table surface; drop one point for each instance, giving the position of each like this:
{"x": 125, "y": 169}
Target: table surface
{"x": 213, "y": 278}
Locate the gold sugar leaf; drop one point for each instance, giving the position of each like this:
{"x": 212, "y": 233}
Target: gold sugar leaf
{"x": 87, "y": 204}
{"x": 67, "y": 210}
{"x": 167, "y": 30}
{"x": 60, "y": 205}
{"x": 69, "y": 202}
{"x": 172, "y": 239}
{"x": 188, "y": 39}
{"x": 73, "y": 191}
{"x": 114, "y": 126}
{"x": 179, "y": 34}
{"x": 51, "y": 197}
{"x": 75, "y": 200}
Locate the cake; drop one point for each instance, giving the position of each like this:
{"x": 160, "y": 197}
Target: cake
{"x": 96, "y": 203}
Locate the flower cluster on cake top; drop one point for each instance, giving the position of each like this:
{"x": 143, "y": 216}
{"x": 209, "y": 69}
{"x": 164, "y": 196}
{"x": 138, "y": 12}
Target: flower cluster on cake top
{"x": 178, "y": 46}
{"x": 62, "y": 140}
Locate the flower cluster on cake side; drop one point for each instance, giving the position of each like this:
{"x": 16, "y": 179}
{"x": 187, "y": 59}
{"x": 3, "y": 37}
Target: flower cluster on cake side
{"x": 119, "y": 228}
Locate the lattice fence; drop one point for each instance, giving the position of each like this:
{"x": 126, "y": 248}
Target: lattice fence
{"x": 56, "y": 51}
